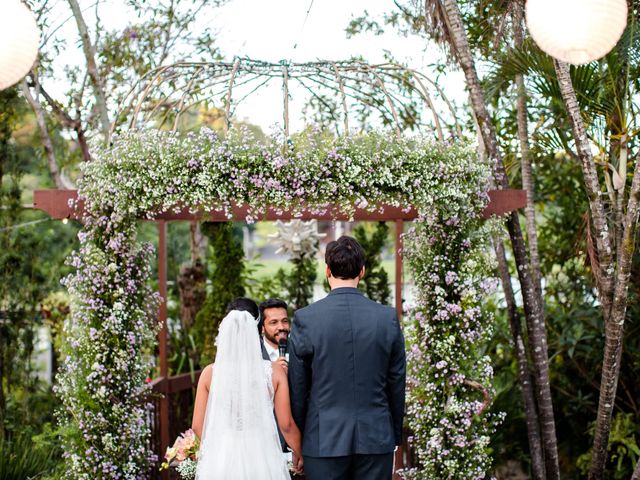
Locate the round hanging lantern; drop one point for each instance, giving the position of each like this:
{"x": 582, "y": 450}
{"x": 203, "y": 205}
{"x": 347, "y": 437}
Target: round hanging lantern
{"x": 576, "y": 31}
{"x": 19, "y": 39}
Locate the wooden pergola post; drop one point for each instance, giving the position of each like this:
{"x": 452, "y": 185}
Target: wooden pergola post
{"x": 162, "y": 336}
{"x": 398, "y": 455}
{"x": 398, "y": 256}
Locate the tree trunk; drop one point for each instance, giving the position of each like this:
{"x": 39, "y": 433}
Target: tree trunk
{"x": 614, "y": 331}
{"x": 192, "y": 278}
{"x": 198, "y": 242}
{"x": 44, "y": 135}
{"x": 92, "y": 69}
{"x": 192, "y": 281}
{"x": 537, "y": 460}
{"x": 603, "y": 273}
{"x": 524, "y": 374}
{"x": 523, "y": 136}
{"x": 636, "y": 472}
{"x": 613, "y": 282}
{"x": 3, "y": 401}
{"x": 531, "y": 295}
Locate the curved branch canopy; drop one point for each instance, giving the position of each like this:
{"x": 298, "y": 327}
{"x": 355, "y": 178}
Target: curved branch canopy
{"x": 348, "y": 93}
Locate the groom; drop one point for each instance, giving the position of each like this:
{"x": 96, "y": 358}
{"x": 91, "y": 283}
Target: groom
{"x": 347, "y": 376}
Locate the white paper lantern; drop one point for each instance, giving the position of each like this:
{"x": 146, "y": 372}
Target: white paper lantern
{"x": 576, "y": 31}
{"x": 19, "y": 39}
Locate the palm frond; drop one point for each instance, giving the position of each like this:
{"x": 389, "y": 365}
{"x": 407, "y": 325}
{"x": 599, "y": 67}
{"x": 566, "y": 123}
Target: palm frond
{"x": 539, "y": 71}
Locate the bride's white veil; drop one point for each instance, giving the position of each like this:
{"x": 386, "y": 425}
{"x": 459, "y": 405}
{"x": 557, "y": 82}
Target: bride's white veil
{"x": 239, "y": 439}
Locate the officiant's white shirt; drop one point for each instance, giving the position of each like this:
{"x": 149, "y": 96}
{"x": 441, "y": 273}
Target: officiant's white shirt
{"x": 273, "y": 352}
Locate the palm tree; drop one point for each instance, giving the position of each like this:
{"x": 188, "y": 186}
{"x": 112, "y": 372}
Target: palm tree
{"x": 598, "y": 107}
{"x": 636, "y": 472}
{"x": 537, "y": 454}
{"x": 446, "y": 14}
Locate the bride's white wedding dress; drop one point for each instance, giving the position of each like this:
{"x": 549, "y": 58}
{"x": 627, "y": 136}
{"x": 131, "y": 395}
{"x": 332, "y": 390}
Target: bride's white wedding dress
{"x": 239, "y": 439}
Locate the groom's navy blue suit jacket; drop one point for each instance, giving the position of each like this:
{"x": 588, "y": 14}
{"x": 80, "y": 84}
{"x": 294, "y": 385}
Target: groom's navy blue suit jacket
{"x": 347, "y": 376}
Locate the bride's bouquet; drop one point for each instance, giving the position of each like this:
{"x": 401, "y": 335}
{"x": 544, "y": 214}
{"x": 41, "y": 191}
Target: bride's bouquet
{"x": 183, "y": 456}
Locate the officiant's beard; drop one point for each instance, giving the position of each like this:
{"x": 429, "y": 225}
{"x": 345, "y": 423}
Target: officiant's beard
{"x": 273, "y": 339}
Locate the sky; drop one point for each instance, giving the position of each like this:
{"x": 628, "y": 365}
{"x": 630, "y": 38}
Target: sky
{"x": 294, "y": 30}
{"x": 269, "y": 30}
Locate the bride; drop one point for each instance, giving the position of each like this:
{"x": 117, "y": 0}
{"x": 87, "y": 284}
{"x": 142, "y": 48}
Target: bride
{"x": 233, "y": 414}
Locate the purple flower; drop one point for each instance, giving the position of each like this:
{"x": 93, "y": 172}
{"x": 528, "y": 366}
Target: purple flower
{"x": 130, "y": 33}
{"x": 450, "y": 277}
{"x": 453, "y": 308}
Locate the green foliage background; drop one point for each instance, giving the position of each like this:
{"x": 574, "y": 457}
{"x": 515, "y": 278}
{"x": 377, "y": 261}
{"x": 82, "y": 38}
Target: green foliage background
{"x": 32, "y": 250}
{"x": 226, "y": 271}
{"x": 375, "y": 283}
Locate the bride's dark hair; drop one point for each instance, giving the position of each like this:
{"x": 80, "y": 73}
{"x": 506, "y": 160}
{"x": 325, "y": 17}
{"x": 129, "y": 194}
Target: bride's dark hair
{"x": 244, "y": 305}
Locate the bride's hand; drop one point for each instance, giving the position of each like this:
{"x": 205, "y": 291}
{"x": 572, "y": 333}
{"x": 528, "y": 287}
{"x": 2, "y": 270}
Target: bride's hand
{"x": 283, "y": 363}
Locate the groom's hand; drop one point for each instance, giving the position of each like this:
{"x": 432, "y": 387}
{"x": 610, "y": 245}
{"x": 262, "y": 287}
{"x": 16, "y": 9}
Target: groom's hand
{"x": 298, "y": 465}
{"x": 283, "y": 363}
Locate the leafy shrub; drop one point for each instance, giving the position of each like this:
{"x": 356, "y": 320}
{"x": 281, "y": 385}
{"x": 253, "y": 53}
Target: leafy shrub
{"x": 20, "y": 460}
{"x": 375, "y": 283}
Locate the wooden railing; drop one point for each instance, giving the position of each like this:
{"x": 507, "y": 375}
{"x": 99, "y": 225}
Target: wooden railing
{"x": 179, "y": 392}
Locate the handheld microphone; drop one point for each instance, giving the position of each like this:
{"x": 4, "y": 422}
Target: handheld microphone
{"x": 282, "y": 347}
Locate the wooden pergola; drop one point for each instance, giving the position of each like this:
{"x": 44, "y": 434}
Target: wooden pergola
{"x": 56, "y": 204}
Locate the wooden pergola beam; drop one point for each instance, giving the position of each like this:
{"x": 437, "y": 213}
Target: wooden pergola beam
{"x": 56, "y": 204}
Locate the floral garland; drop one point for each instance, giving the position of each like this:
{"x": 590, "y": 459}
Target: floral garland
{"x": 113, "y": 323}
{"x": 102, "y": 380}
{"x": 449, "y": 376}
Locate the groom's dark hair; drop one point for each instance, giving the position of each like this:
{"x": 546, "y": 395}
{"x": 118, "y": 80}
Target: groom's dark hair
{"x": 244, "y": 305}
{"x": 344, "y": 257}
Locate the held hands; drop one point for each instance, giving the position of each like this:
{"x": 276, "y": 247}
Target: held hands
{"x": 298, "y": 464}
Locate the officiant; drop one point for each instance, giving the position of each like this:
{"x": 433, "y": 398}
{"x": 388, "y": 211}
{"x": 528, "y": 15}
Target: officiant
{"x": 274, "y": 326}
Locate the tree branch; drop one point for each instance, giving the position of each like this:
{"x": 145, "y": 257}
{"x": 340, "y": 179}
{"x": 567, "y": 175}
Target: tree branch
{"x": 44, "y": 135}
{"x": 485, "y": 394}
{"x": 65, "y": 119}
{"x": 92, "y": 69}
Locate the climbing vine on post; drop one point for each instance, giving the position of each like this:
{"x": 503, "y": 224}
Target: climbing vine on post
{"x": 449, "y": 375}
